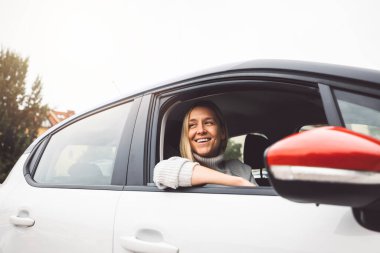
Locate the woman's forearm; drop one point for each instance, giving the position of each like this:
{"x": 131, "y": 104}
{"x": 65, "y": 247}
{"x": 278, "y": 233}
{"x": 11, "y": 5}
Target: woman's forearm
{"x": 203, "y": 175}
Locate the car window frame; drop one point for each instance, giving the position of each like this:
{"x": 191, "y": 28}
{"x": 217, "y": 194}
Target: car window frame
{"x": 143, "y": 164}
{"x": 119, "y": 176}
{"x": 159, "y": 97}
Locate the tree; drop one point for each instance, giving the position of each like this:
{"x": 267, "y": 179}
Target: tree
{"x": 21, "y": 113}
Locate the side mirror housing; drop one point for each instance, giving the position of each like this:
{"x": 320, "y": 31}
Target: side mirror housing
{"x": 328, "y": 165}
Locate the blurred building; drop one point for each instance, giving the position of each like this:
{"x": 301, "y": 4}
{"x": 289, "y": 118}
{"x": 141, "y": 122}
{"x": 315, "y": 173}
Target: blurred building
{"x": 53, "y": 117}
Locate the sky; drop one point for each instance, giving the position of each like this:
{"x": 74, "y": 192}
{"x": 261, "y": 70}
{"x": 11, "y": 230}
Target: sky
{"x": 90, "y": 51}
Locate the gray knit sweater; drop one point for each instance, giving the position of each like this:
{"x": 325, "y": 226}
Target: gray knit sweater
{"x": 177, "y": 171}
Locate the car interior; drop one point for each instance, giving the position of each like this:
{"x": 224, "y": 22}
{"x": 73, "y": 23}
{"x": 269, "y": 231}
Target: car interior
{"x": 256, "y": 118}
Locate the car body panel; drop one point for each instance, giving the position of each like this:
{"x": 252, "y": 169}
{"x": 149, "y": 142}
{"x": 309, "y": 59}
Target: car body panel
{"x": 203, "y": 222}
{"x": 66, "y": 220}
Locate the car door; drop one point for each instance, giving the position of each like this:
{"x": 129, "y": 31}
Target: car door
{"x": 67, "y": 198}
{"x": 224, "y": 219}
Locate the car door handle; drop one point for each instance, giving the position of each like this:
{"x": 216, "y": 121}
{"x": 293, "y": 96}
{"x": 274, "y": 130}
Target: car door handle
{"x": 22, "y": 221}
{"x": 136, "y": 245}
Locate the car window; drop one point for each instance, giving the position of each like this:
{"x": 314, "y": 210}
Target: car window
{"x": 84, "y": 152}
{"x": 255, "y": 118}
{"x": 360, "y": 113}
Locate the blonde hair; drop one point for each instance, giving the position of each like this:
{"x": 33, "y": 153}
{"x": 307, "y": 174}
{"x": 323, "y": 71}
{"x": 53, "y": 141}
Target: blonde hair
{"x": 184, "y": 145}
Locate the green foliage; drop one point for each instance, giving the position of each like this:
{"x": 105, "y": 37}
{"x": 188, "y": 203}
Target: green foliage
{"x": 233, "y": 150}
{"x": 21, "y": 113}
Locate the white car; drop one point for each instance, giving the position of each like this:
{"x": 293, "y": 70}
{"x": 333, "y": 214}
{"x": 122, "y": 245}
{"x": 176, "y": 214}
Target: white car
{"x": 86, "y": 184}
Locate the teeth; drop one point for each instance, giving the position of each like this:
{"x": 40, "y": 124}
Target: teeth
{"x": 202, "y": 140}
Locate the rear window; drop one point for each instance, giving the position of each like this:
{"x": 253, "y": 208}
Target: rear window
{"x": 360, "y": 113}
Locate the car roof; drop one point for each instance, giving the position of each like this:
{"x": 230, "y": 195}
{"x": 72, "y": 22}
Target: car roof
{"x": 292, "y": 66}
{"x": 314, "y": 67}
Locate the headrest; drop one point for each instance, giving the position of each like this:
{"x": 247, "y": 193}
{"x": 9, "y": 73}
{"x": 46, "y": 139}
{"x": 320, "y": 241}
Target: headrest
{"x": 254, "y": 148}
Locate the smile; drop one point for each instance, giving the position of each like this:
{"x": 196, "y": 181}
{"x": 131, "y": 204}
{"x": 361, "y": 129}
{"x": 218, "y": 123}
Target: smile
{"x": 202, "y": 140}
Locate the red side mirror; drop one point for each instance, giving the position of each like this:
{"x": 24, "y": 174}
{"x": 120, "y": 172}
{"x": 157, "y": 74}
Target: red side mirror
{"x": 330, "y": 165}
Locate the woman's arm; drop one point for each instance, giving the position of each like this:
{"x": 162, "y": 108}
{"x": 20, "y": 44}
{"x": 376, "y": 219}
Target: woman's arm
{"x": 203, "y": 175}
{"x": 173, "y": 173}
{"x": 180, "y": 172}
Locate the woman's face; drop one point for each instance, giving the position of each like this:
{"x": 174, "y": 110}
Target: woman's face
{"x": 205, "y": 133}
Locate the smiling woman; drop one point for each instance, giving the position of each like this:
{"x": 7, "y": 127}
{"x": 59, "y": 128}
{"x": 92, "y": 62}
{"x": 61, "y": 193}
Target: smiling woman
{"x": 204, "y": 131}
{"x": 202, "y": 145}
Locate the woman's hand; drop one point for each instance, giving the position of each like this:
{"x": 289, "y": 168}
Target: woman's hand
{"x": 242, "y": 182}
{"x": 203, "y": 175}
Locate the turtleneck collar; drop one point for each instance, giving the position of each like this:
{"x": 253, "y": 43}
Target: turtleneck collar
{"x": 210, "y": 162}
